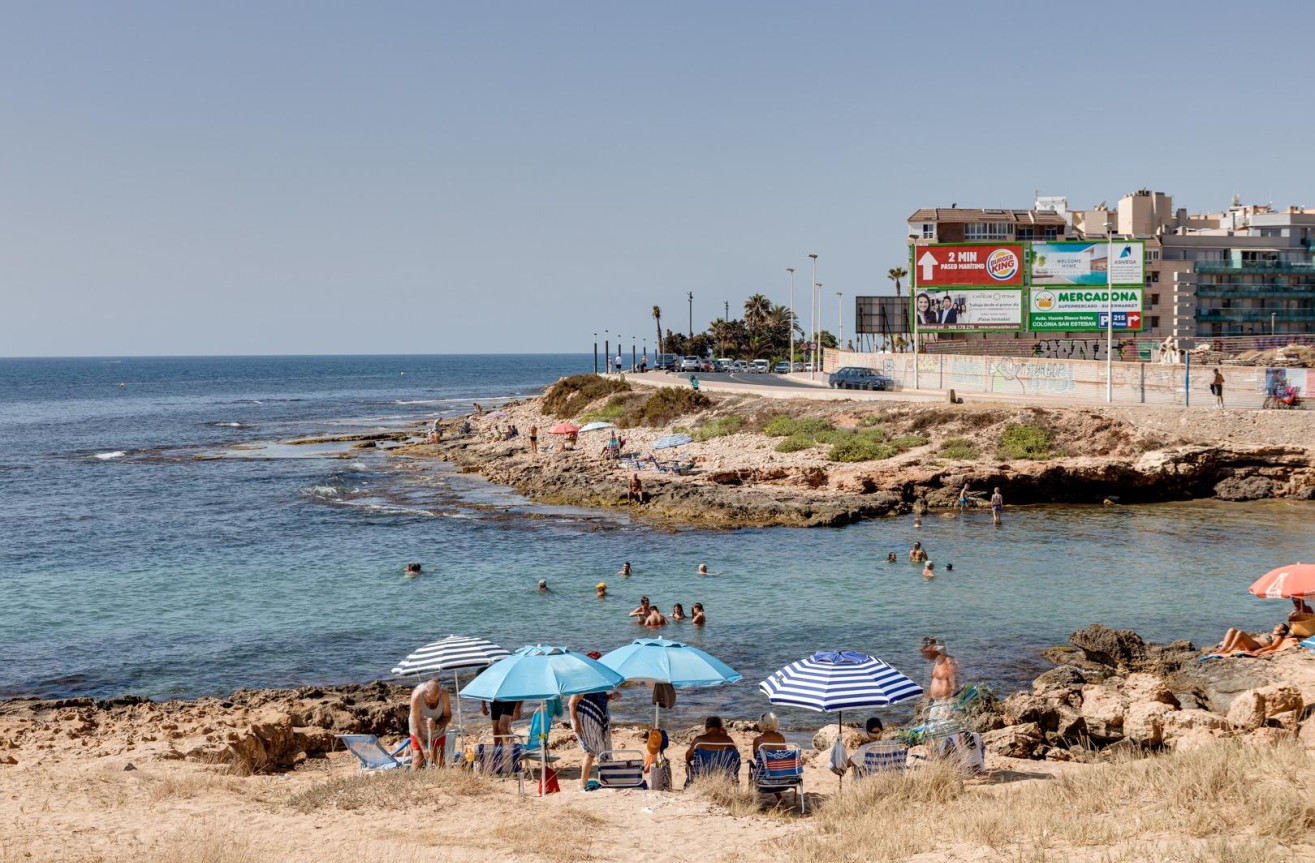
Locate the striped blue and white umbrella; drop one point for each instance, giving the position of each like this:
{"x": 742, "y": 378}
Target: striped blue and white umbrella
{"x": 832, "y": 680}
{"x": 672, "y": 440}
{"x": 456, "y": 653}
{"x": 836, "y": 681}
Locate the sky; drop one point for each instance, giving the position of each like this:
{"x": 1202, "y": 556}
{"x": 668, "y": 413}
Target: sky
{"x": 181, "y": 178}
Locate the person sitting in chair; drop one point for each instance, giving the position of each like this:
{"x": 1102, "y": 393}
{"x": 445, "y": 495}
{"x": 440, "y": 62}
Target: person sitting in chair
{"x": 714, "y": 736}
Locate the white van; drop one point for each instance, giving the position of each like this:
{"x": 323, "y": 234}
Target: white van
{"x": 762, "y": 367}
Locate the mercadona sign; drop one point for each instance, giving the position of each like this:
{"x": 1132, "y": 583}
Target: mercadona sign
{"x": 1079, "y": 309}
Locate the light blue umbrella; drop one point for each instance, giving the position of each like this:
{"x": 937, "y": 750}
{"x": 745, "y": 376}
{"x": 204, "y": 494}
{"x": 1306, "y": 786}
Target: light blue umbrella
{"x": 538, "y": 673}
{"x": 595, "y": 426}
{"x": 660, "y": 660}
{"x": 672, "y": 440}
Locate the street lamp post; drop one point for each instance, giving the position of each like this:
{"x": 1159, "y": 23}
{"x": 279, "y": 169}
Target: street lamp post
{"x": 634, "y": 364}
{"x": 790, "y": 270}
{"x": 691, "y": 314}
{"x": 607, "y": 350}
{"x": 1109, "y": 311}
{"x": 1272, "y": 329}
{"x": 817, "y": 337}
{"x": 840, "y": 318}
{"x": 812, "y": 317}
{"x": 595, "y": 353}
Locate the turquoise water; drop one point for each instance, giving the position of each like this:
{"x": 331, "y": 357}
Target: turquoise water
{"x": 155, "y": 573}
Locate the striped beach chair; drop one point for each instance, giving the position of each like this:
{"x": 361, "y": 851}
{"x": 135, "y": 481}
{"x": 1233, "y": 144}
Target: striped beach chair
{"x": 882, "y": 756}
{"x": 710, "y": 760}
{"x": 621, "y": 768}
{"x": 779, "y": 770}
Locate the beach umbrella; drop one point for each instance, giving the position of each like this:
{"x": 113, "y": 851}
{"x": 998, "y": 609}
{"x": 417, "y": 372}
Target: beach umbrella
{"x": 563, "y": 428}
{"x": 538, "y": 673}
{"x": 1295, "y": 581}
{"x": 660, "y": 660}
{"x": 833, "y": 681}
{"x": 455, "y": 653}
{"x": 672, "y": 440}
{"x": 595, "y": 426}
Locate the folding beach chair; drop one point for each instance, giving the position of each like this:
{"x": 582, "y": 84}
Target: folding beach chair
{"x": 621, "y": 768}
{"x": 538, "y": 737}
{"x": 777, "y": 770}
{"x": 501, "y": 758}
{"x": 711, "y": 759}
{"x": 881, "y": 756}
{"x": 371, "y": 753}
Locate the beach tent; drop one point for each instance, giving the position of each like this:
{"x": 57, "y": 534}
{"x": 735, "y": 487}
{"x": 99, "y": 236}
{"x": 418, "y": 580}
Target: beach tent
{"x": 833, "y": 681}
{"x": 538, "y": 673}
{"x": 660, "y": 660}
{"x": 455, "y": 653}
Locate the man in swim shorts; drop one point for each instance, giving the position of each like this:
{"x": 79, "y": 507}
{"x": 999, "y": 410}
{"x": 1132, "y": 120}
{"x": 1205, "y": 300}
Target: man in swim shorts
{"x": 944, "y": 678}
{"x": 503, "y": 714}
{"x": 997, "y": 505}
{"x": 427, "y": 723}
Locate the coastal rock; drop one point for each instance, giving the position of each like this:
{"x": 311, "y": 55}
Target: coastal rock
{"x": 1120, "y": 648}
{"x": 1179, "y": 723}
{"x": 1195, "y": 738}
{"x": 1103, "y": 708}
{"x": 1306, "y": 733}
{"x": 1066, "y": 655}
{"x": 1014, "y": 741}
{"x": 1237, "y": 488}
{"x": 1070, "y": 724}
{"x": 1270, "y": 736}
{"x": 1148, "y": 688}
{"x": 1252, "y": 708}
{"x": 1144, "y": 722}
{"x": 1021, "y": 707}
{"x": 1058, "y": 681}
{"x": 825, "y": 737}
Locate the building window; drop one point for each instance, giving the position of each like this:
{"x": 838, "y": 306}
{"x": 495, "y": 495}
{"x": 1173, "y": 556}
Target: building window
{"x": 986, "y": 231}
{"x": 928, "y": 230}
{"x": 1052, "y": 232}
{"x": 1152, "y": 255}
{"x": 1026, "y": 234}
{"x": 1155, "y": 299}
{"x": 1155, "y": 277}
{"x": 1155, "y": 322}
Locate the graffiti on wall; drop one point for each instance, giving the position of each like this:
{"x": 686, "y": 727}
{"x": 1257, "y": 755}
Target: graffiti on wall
{"x": 1008, "y": 375}
{"x": 1075, "y": 349}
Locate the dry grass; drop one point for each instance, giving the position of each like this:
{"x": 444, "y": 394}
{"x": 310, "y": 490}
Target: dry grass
{"x": 562, "y": 836}
{"x": 1226, "y": 794}
{"x": 392, "y": 790}
{"x": 189, "y": 785}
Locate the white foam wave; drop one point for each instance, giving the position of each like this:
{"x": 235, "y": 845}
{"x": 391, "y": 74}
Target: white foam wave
{"x": 324, "y": 491}
{"x": 229, "y": 425}
{"x": 118, "y": 453}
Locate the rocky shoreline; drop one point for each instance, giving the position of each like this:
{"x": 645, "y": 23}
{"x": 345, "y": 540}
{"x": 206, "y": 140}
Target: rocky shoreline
{"x": 1110, "y": 692}
{"x": 740, "y": 479}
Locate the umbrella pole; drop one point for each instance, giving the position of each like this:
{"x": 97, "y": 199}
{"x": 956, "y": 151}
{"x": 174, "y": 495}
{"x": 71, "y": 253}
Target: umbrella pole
{"x": 543, "y": 751}
{"x": 457, "y": 742}
{"x": 840, "y": 735}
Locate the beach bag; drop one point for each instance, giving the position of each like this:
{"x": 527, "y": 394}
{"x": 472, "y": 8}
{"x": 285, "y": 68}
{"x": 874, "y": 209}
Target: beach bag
{"x": 548, "y": 782}
{"x": 659, "y": 777}
{"x": 839, "y": 761}
{"x": 664, "y": 695}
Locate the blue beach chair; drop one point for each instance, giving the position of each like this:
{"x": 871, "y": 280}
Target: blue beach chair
{"x": 883, "y": 756}
{"x": 711, "y": 759}
{"x": 621, "y": 768}
{"x": 371, "y": 753}
{"x": 778, "y": 770}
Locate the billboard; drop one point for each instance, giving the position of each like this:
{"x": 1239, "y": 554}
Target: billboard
{"x": 1081, "y": 309}
{"x": 1088, "y": 263}
{"x": 978, "y": 264}
{"x": 967, "y": 309}
{"x": 881, "y": 316}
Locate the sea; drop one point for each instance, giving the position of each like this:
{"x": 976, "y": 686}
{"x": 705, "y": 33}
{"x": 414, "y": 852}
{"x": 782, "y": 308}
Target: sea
{"x": 160, "y": 537}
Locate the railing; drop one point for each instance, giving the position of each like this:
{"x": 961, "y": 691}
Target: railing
{"x": 1269, "y": 290}
{"x": 1255, "y": 266}
{"x": 1255, "y": 316}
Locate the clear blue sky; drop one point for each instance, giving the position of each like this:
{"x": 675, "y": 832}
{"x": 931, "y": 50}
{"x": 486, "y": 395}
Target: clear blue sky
{"x": 347, "y": 177}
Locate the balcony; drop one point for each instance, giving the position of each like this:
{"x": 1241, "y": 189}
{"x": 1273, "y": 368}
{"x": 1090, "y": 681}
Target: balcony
{"x": 1255, "y": 267}
{"x": 1277, "y": 292}
{"x": 1256, "y": 316}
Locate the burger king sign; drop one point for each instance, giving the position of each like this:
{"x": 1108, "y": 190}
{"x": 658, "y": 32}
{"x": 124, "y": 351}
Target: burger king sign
{"x": 981, "y": 264}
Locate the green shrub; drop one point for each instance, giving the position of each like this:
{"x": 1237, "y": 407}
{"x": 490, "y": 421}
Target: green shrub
{"x": 779, "y": 426}
{"x": 873, "y": 432}
{"x": 718, "y": 427}
{"x": 1025, "y": 442}
{"x": 908, "y": 441}
{"x": 784, "y": 426}
{"x": 832, "y": 436}
{"x": 811, "y": 425}
{"x": 665, "y": 405}
{"x": 871, "y": 420}
{"x": 796, "y": 442}
{"x": 614, "y": 410}
{"x": 959, "y": 449}
{"x": 569, "y": 396}
{"x": 861, "y": 448}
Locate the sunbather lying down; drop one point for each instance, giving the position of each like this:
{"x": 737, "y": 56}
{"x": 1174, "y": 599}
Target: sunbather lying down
{"x": 1237, "y": 642}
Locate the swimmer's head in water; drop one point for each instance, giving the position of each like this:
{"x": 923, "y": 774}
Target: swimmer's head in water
{"x": 949, "y": 567}
{"x": 543, "y": 585}
{"x": 703, "y": 567}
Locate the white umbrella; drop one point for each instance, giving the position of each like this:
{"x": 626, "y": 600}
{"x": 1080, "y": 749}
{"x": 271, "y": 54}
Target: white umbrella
{"x": 455, "y": 653}
{"x": 596, "y": 426}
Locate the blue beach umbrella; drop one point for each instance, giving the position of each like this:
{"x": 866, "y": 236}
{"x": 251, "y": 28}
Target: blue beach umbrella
{"x": 538, "y": 673}
{"x": 660, "y": 660}
{"x": 672, "y": 440}
{"x": 839, "y": 680}
{"x": 595, "y": 426}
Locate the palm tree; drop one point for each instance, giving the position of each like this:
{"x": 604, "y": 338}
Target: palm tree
{"x": 756, "y": 309}
{"x": 657, "y": 319}
{"x": 895, "y": 274}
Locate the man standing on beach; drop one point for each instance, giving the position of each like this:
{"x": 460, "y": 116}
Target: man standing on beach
{"x": 534, "y": 439}
{"x": 944, "y": 677}
{"x": 429, "y": 716}
{"x": 997, "y": 505}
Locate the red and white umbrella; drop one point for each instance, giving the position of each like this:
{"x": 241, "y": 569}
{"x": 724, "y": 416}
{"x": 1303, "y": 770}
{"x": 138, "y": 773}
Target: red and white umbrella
{"x": 563, "y": 428}
{"x": 1294, "y": 581}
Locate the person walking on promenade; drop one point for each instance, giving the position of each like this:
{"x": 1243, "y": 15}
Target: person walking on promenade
{"x": 1217, "y": 389}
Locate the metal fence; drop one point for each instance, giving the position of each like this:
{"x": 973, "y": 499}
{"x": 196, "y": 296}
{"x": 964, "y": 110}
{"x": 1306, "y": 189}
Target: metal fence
{"x": 1127, "y": 347}
{"x": 1065, "y": 379}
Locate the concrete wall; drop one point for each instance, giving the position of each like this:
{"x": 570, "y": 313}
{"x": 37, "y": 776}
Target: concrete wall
{"x": 1069, "y": 380}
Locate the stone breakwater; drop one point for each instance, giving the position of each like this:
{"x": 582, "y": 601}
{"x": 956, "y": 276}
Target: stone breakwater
{"x": 741, "y": 480}
{"x": 1111, "y": 691}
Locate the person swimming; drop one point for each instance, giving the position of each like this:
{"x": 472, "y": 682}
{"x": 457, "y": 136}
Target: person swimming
{"x": 699, "y": 618}
{"x": 543, "y": 586}
{"x": 917, "y": 553}
{"x": 642, "y": 611}
{"x": 891, "y": 558}
{"x": 655, "y": 618}
{"x": 601, "y": 590}
{"x": 929, "y": 571}
{"x": 703, "y": 570}
{"x": 678, "y": 612}
{"x": 412, "y": 570}
{"x": 625, "y": 571}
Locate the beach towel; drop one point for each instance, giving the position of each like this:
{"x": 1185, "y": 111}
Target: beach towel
{"x": 595, "y": 723}
{"x": 664, "y": 695}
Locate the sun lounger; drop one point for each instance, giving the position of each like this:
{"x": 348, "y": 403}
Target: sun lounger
{"x": 621, "y": 768}
{"x": 883, "y": 756}
{"x": 710, "y": 759}
{"x": 371, "y": 753}
{"x": 778, "y": 770}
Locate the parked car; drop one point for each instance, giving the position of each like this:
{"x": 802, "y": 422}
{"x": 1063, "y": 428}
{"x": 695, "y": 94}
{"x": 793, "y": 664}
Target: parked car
{"x": 666, "y": 362}
{"x": 859, "y": 378}
{"x": 798, "y": 366}
{"x": 691, "y": 364}
{"x": 761, "y": 367}
{"x": 737, "y": 366}
{"x": 808, "y": 367}
{"x": 783, "y": 367}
